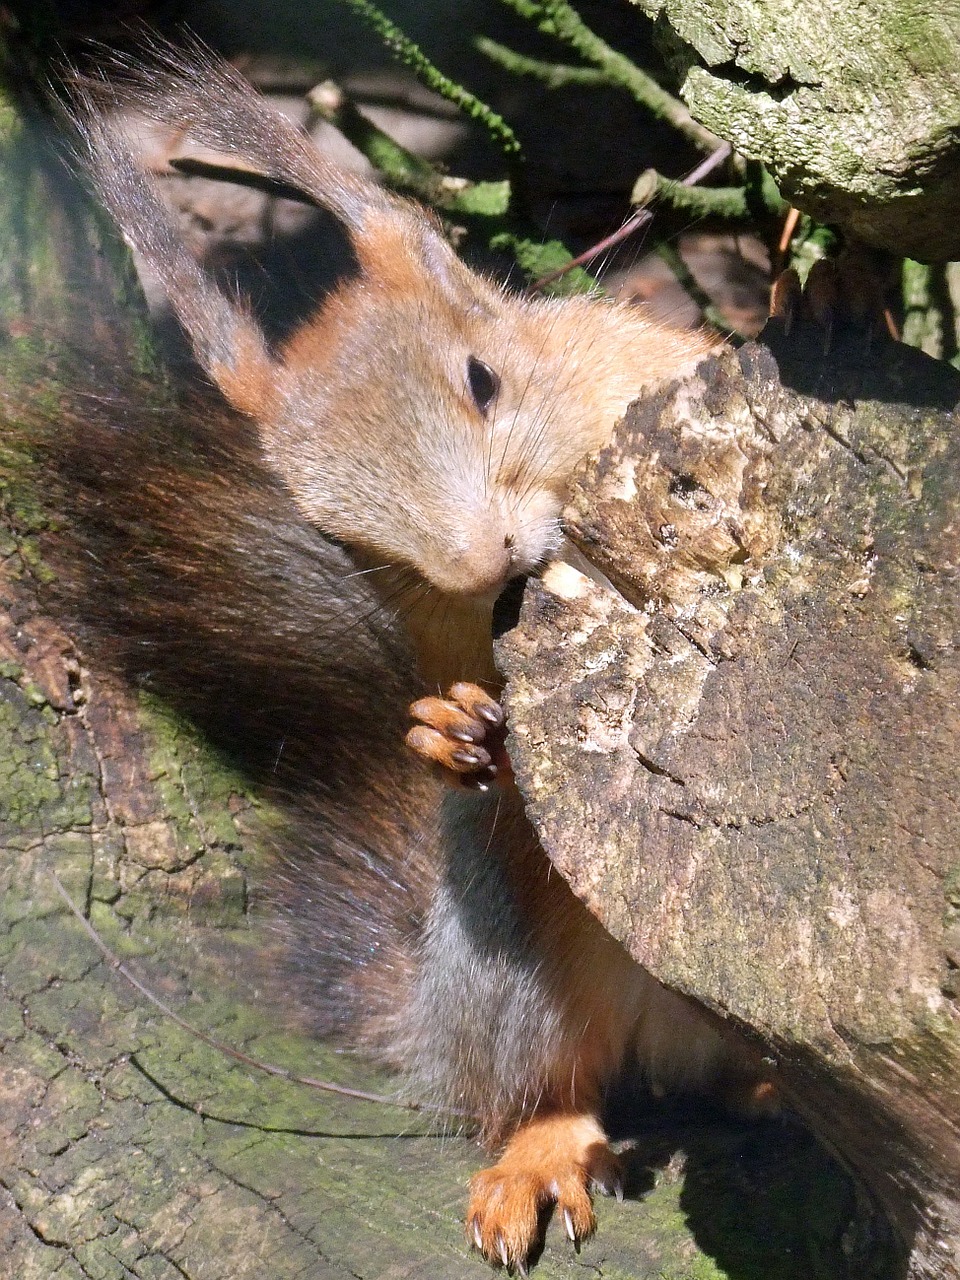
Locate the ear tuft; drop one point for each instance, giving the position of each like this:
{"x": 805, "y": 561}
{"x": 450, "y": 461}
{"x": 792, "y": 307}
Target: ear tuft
{"x": 226, "y": 341}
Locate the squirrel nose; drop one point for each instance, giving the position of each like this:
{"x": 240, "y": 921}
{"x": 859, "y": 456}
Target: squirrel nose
{"x": 480, "y": 569}
{"x": 491, "y": 571}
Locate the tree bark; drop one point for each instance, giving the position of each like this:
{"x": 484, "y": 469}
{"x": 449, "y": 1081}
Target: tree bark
{"x": 854, "y": 108}
{"x": 742, "y": 751}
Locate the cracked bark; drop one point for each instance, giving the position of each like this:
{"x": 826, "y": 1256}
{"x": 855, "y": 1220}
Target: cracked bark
{"x": 742, "y": 750}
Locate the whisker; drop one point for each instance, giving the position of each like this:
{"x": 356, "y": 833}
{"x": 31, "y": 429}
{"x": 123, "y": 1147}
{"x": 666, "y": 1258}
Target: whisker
{"x": 359, "y": 573}
{"x": 380, "y": 607}
{"x": 528, "y": 383}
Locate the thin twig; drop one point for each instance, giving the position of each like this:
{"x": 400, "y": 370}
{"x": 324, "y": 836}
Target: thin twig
{"x": 789, "y": 227}
{"x": 555, "y": 75}
{"x": 400, "y": 167}
{"x": 638, "y": 219}
{"x": 327, "y": 1086}
{"x": 729, "y": 203}
{"x": 240, "y": 175}
{"x": 710, "y": 312}
{"x": 412, "y": 56}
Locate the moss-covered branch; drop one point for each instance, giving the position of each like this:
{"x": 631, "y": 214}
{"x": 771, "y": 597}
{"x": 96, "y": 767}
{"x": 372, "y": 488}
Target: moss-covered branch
{"x": 412, "y": 56}
{"x": 555, "y": 75}
{"x": 402, "y": 168}
{"x": 559, "y": 19}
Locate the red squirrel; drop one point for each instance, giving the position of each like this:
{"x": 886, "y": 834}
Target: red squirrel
{"x": 427, "y": 420}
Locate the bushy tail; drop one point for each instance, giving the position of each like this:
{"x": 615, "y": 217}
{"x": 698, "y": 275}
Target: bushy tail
{"x": 182, "y": 565}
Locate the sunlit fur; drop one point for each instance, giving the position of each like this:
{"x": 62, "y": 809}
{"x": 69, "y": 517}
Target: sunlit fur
{"x": 366, "y": 412}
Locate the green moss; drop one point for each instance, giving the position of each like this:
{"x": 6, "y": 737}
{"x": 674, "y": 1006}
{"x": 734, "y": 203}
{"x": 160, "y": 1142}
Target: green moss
{"x": 38, "y": 791}
{"x": 23, "y": 514}
{"x": 76, "y": 1101}
{"x": 195, "y": 782}
{"x": 541, "y": 258}
{"x": 191, "y": 858}
{"x": 10, "y": 123}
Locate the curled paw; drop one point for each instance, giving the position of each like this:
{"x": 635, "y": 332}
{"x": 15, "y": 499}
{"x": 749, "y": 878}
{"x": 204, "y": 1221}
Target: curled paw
{"x": 463, "y": 734}
{"x": 554, "y": 1162}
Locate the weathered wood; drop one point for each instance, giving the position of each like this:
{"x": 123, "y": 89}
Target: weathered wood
{"x": 854, "y": 107}
{"x": 744, "y": 755}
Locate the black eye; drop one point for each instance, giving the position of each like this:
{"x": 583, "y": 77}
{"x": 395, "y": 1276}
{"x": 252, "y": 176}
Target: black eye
{"x": 484, "y": 384}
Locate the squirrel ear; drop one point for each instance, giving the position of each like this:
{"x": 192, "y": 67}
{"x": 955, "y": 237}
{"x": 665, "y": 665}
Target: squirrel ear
{"x": 247, "y": 376}
{"x": 226, "y": 340}
{"x": 208, "y": 102}
{"x": 401, "y": 247}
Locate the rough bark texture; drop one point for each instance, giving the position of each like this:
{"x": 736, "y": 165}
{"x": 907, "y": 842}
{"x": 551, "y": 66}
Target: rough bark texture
{"x": 855, "y": 108}
{"x": 744, "y": 757}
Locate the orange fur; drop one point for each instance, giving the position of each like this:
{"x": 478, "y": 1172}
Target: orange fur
{"x": 248, "y": 382}
{"x": 555, "y": 1159}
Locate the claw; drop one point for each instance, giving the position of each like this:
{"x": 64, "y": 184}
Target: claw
{"x": 502, "y": 1250}
{"x": 568, "y": 1224}
{"x": 477, "y": 1237}
{"x": 612, "y": 1188}
{"x": 550, "y": 1162}
{"x": 461, "y": 734}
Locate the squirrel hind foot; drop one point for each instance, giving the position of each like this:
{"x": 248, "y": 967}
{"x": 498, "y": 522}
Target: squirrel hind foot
{"x": 555, "y": 1160}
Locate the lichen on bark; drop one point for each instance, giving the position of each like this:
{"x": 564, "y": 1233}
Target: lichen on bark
{"x": 854, "y": 108}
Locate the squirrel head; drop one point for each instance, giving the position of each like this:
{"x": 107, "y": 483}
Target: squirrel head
{"x": 416, "y": 414}
{"x": 423, "y": 415}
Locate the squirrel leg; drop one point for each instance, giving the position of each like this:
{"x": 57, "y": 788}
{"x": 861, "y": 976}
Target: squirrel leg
{"x": 464, "y": 735}
{"x": 554, "y": 1158}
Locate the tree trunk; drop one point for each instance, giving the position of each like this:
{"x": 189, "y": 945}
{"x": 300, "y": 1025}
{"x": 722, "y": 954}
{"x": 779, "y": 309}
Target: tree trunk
{"x": 854, "y": 108}
{"x": 743, "y": 754}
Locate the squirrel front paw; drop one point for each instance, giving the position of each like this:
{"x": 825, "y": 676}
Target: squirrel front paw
{"x": 551, "y": 1160}
{"x": 463, "y": 734}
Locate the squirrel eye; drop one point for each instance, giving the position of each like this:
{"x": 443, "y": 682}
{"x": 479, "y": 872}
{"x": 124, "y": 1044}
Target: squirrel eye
{"x": 484, "y": 383}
